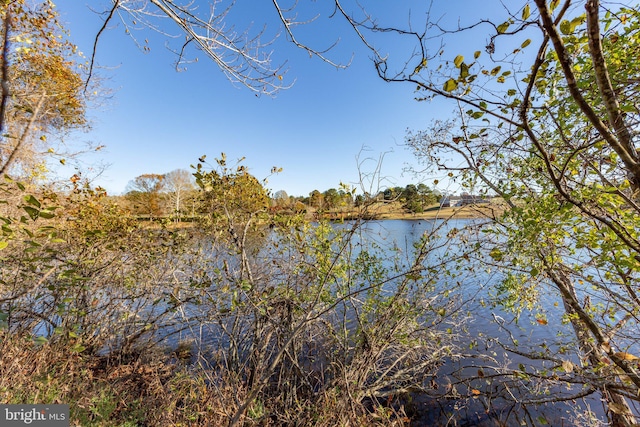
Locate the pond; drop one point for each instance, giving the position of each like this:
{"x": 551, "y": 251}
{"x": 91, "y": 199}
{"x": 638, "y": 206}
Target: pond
{"x": 492, "y": 380}
{"x": 485, "y": 395}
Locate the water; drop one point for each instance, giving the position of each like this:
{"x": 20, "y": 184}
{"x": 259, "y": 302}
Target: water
{"x": 493, "y": 380}
{"x": 478, "y": 388}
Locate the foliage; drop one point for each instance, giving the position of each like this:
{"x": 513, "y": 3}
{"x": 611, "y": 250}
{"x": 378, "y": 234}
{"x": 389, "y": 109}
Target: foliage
{"x": 87, "y": 276}
{"x": 304, "y": 312}
{"x": 295, "y": 322}
{"x": 413, "y": 198}
{"x": 229, "y": 195}
{"x": 44, "y": 81}
{"x": 145, "y": 192}
{"x": 557, "y": 140}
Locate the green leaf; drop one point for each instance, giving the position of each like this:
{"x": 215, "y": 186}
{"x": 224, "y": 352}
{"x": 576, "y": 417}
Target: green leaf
{"x": 47, "y": 214}
{"x": 553, "y": 5}
{"x": 575, "y": 22}
{"x": 33, "y": 212}
{"x": 502, "y": 28}
{"x": 3, "y": 245}
{"x": 458, "y": 61}
{"x": 78, "y": 348}
{"x": 511, "y": 92}
{"x": 464, "y": 71}
{"x": 40, "y": 340}
{"x": 496, "y": 254}
{"x": 496, "y": 70}
{"x": 565, "y": 27}
{"x": 526, "y": 12}
{"x": 525, "y": 43}
{"x": 450, "y": 85}
{"x": 32, "y": 201}
{"x": 476, "y": 54}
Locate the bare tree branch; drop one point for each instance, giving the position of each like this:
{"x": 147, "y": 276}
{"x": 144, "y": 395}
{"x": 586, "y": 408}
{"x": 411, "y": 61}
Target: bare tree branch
{"x": 95, "y": 42}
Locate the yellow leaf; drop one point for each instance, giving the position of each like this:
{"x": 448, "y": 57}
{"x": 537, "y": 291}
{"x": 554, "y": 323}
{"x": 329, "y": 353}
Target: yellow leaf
{"x": 526, "y": 12}
{"x": 626, "y": 356}
{"x": 450, "y": 85}
{"x": 502, "y": 28}
{"x": 567, "y": 366}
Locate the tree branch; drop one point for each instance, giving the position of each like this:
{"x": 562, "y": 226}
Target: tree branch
{"x": 549, "y": 26}
{"x": 116, "y": 4}
{"x": 5, "y": 69}
{"x": 616, "y": 117}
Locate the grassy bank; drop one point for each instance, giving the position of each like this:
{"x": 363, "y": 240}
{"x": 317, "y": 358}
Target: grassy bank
{"x": 394, "y": 210}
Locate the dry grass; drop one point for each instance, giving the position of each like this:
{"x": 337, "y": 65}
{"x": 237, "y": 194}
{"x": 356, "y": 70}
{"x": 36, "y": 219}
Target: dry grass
{"x": 152, "y": 391}
{"x": 101, "y": 392}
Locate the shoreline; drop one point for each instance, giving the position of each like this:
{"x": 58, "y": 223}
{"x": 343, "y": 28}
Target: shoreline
{"x": 465, "y": 212}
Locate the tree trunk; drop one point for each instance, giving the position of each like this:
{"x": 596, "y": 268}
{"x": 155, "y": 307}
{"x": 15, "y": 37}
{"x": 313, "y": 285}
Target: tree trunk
{"x": 621, "y": 415}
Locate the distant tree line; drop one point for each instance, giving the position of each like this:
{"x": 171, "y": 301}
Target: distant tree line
{"x": 175, "y": 194}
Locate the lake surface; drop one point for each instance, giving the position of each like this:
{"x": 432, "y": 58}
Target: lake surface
{"x": 490, "y": 383}
{"x": 487, "y": 397}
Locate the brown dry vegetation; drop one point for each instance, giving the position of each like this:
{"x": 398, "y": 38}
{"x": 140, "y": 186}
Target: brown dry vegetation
{"x": 105, "y": 297}
{"x": 157, "y": 389}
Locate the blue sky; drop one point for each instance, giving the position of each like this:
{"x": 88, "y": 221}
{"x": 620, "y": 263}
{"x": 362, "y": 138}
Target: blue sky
{"x": 158, "y": 120}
